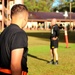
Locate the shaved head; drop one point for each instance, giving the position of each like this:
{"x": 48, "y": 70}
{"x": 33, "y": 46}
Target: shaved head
{"x": 18, "y": 8}
{"x": 19, "y": 15}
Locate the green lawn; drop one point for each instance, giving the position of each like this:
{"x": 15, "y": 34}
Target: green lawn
{"x": 39, "y": 55}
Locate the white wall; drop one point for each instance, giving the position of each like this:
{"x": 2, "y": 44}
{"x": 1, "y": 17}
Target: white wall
{"x": 30, "y": 24}
{"x": 18, "y": 1}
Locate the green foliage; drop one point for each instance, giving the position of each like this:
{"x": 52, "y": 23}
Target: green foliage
{"x": 70, "y": 0}
{"x": 39, "y": 5}
{"x": 65, "y": 5}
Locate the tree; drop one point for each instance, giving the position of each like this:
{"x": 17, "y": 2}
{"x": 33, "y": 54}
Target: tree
{"x": 39, "y": 5}
{"x": 65, "y": 5}
{"x": 70, "y": 0}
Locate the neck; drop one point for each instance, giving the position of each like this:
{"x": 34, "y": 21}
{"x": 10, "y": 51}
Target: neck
{"x": 16, "y": 22}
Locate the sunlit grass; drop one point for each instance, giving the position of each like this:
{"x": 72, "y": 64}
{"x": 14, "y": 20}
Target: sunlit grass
{"x": 39, "y": 55}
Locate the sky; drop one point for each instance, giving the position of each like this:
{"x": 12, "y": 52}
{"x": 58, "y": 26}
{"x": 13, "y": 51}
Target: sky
{"x": 56, "y": 2}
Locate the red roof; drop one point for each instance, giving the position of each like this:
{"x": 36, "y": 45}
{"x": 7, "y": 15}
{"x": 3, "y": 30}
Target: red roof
{"x": 49, "y": 15}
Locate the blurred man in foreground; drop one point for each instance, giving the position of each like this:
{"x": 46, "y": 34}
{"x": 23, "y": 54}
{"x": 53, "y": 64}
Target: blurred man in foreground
{"x": 14, "y": 43}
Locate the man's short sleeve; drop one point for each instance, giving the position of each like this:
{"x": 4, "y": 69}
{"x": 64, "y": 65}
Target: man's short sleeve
{"x": 19, "y": 40}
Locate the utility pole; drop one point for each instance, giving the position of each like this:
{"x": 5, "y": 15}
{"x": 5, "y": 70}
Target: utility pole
{"x": 70, "y": 13}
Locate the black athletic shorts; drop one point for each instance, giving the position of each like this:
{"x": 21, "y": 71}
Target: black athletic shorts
{"x": 54, "y": 44}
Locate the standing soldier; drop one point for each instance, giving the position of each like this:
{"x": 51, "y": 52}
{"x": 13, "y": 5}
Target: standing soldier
{"x": 14, "y": 43}
{"x": 54, "y": 41}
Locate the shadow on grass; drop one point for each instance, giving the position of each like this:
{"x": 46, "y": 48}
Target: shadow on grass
{"x": 30, "y": 55}
{"x": 46, "y": 35}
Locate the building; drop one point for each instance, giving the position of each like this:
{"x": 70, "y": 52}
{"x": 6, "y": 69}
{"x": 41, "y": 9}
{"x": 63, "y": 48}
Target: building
{"x": 5, "y": 6}
{"x": 46, "y": 17}
{"x": 36, "y": 19}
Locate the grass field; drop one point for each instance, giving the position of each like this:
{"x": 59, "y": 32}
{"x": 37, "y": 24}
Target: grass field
{"x": 39, "y": 54}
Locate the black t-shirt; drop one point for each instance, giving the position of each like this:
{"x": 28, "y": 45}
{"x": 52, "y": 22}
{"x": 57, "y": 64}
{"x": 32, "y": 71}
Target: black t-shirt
{"x": 54, "y": 31}
{"x": 12, "y": 38}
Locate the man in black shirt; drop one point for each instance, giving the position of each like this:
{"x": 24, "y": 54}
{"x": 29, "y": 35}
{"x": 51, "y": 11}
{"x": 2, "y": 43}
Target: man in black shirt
{"x": 54, "y": 41}
{"x": 14, "y": 43}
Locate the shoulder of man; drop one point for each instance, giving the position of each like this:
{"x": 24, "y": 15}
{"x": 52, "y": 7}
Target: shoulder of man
{"x": 56, "y": 27}
{"x": 14, "y": 29}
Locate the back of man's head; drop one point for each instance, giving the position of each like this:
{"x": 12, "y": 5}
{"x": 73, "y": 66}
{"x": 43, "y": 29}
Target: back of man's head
{"x": 53, "y": 22}
{"x": 18, "y": 8}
